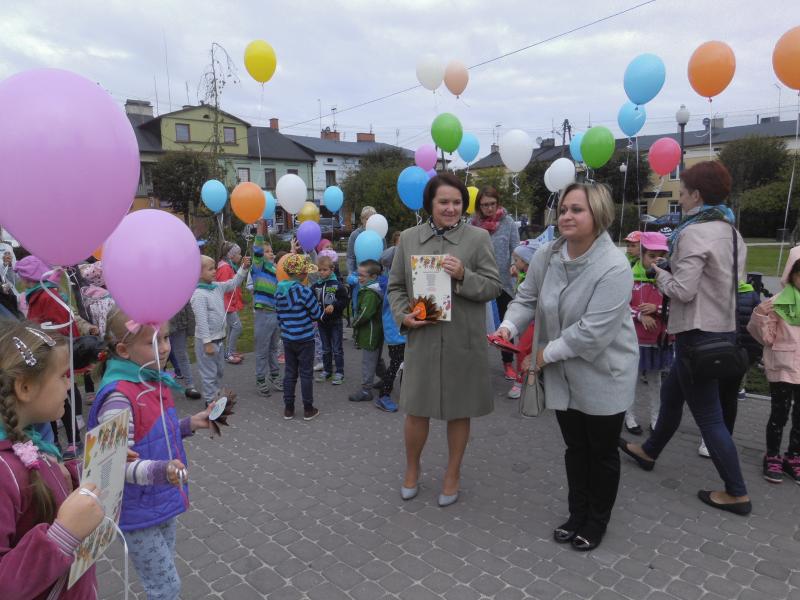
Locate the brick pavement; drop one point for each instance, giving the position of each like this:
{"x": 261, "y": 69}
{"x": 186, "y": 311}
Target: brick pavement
{"x": 293, "y": 510}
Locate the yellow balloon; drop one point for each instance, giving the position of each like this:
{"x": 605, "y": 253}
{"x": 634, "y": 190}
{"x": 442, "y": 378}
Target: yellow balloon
{"x": 260, "y": 60}
{"x": 309, "y": 212}
{"x": 473, "y": 196}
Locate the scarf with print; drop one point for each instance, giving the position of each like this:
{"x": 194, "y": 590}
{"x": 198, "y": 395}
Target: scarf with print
{"x": 707, "y": 213}
{"x": 490, "y": 224}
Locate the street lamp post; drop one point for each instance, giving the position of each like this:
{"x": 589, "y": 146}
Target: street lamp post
{"x": 682, "y": 117}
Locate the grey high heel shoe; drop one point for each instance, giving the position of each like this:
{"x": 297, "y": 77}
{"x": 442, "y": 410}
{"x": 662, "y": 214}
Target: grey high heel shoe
{"x": 409, "y": 493}
{"x": 447, "y": 500}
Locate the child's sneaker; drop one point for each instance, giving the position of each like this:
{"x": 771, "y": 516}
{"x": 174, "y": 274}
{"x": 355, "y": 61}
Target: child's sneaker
{"x": 263, "y": 387}
{"x": 319, "y": 366}
{"x": 516, "y": 391}
{"x": 276, "y": 382}
{"x": 703, "y": 450}
{"x": 288, "y": 413}
{"x": 510, "y": 372}
{"x": 323, "y": 376}
{"x": 791, "y": 466}
{"x": 338, "y": 379}
{"x": 385, "y": 404}
{"x": 361, "y": 395}
{"x": 773, "y": 469}
{"x": 233, "y": 359}
{"x": 310, "y": 413}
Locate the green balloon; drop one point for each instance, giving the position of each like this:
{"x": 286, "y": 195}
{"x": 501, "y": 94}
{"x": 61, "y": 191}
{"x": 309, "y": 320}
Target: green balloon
{"x": 447, "y": 132}
{"x": 597, "y": 146}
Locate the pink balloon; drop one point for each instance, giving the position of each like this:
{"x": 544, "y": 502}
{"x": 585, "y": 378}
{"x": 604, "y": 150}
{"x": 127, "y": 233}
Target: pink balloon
{"x": 425, "y": 157}
{"x": 151, "y": 263}
{"x": 431, "y": 173}
{"x": 664, "y": 155}
{"x": 70, "y": 164}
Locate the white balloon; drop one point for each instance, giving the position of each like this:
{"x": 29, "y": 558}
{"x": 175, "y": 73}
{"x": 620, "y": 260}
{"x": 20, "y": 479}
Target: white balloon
{"x": 562, "y": 173}
{"x": 430, "y": 71}
{"x": 516, "y": 148}
{"x": 291, "y": 193}
{"x": 548, "y": 181}
{"x": 378, "y": 224}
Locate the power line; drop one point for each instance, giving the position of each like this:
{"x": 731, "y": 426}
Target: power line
{"x": 486, "y": 62}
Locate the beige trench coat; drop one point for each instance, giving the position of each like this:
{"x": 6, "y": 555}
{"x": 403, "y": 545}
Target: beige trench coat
{"x": 446, "y": 372}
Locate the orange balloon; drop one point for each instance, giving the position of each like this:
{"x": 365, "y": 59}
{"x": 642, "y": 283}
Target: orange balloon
{"x": 456, "y": 77}
{"x": 248, "y": 201}
{"x": 711, "y": 68}
{"x": 786, "y": 58}
{"x": 98, "y": 254}
{"x": 279, "y": 271}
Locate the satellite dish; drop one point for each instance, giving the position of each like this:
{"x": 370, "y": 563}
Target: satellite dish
{"x": 538, "y": 141}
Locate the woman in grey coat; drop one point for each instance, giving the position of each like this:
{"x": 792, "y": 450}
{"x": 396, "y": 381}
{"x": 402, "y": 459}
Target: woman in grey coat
{"x": 446, "y": 372}
{"x": 492, "y": 217}
{"x": 588, "y": 352}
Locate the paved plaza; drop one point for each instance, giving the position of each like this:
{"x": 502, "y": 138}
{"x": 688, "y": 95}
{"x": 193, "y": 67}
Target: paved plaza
{"x": 293, "y": 509}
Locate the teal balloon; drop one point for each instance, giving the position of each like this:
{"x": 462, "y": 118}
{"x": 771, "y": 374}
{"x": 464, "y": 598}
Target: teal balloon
{"x": 214, "y": 195}
{"x": 269, "y": 206}
{"x": 575, "y": 147}
{"x": 333, "y": 198}
{"x": 369, "y": 246}
{"x": 597, "y": 146}
{"x": 644, "y": 78}
{"x": 631, "y": 118}
{"x": 447, "y": 132}
{"x": 410, "y": 186}
{"x": 469, "y": 147}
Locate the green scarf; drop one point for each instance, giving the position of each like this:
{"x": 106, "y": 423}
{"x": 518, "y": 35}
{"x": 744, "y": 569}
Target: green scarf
{"x": 206, "y": 286}
{"x": 745, "y": 287}
{"x": 47, "y": 284}
{"x": 639, "y": 273}
{"x": 787, "y": 305}
{"x": 331, "y": 277}
{"x": 284, "y": 285}
{"x": 38, "y": 441}
{"x": 120, "y": 369}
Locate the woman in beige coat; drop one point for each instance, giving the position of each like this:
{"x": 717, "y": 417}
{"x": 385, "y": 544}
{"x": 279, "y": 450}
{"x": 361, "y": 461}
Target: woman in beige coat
{"x": 446, "y": 374}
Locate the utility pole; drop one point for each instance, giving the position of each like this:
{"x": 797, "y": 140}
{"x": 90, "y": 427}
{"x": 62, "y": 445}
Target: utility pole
{"x": 566, "y": 131}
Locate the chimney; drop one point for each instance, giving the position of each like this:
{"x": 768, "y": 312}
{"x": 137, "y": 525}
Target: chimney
{"x": 273, "y": 123}
{"x": 548, "y": 143}
{"x": 138, "y": 107}
{"x": 495, "y": 149}
{"x": 365, "y": 137}
{"x": 327, "y": 134}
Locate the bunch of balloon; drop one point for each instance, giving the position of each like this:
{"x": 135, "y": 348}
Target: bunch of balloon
{"x": 597, "y": 146}
{"x": 557, "y": 177}
{"x": 711, "y": 69}
{"x": 447, "y": 132}
{"x": 644, "y": 77}
{"x": 516, "y": 150}
{"x": 468, "y": 151}
{"x": 333, "y": 198}
{"x": 473, "y": 197}
{"x": 664, "y": 157}
{"x": 430, "y": 72}
{"x": 456, "y": 77}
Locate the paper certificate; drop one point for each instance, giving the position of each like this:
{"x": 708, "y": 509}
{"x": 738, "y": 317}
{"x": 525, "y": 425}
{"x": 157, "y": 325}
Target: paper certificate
{"x": 432, "y": 286}
{"x": 104, "y": 460}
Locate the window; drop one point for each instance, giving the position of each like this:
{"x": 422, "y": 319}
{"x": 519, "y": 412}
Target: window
{"x": 330, "y": 160}
{"x": 145, "y": 180}
{"x": 229, "y": 134}
{"x": 330, "y": 178}
{"x": 182, "y": 132}
{"x": 269, "y": 179}
{"x": 243, "y": 174}
{"x": 293, "y": 171}
{"x": 676, "y": 174}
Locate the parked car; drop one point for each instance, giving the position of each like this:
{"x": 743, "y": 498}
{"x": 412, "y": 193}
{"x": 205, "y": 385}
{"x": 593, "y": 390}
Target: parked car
{"x": 665, "y": 224}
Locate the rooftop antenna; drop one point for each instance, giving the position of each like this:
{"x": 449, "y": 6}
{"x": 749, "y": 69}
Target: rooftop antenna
{"x": 333, "y": 113}
{"x": 319, "y": 103}
{"x": 496, "y": 133}
{"x": 166, "y": 64}
{"x": 187, "y": 94}
{"x": 397, "y": 136}
{"x": 155, "y": 87}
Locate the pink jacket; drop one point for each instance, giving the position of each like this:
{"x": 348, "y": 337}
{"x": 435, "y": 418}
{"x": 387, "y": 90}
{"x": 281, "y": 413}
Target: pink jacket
{"x": 781, "y": 341}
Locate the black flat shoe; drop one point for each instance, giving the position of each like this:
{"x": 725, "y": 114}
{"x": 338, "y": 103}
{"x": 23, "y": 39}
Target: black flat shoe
{"x": 635, "y": 430}
{"x": 192, "y": 394}
{"x": 584, "y": 544}
{"x": 563, "y": 536}
{"x": 738, "y": 508}
{"x": 644, "y": 463}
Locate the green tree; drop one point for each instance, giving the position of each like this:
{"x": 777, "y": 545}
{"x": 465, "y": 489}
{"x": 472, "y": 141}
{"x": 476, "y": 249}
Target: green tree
{"x": 177, "y": 179}
{"x": 375, "y": 184}
{"x": 754, "y": 161}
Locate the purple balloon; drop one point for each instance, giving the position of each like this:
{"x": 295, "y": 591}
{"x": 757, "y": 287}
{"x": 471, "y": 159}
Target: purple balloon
{"x": 431, "y": 173}
{"x": 309, "y": 235}
{"x": 70, "y": 164}
{"x": 425, "y": 157}
{"x": 151, "y": 264}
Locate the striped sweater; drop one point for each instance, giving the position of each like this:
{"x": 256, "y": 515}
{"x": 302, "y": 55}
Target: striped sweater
{"x": 265, "y": 279}
{"x": 297, "y": 309}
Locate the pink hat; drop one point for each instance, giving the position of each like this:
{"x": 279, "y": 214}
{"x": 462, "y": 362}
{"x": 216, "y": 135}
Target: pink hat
{"x": 634, "y": 236}
{"x": 33, "y": 268}
{"x": 653, "y": 240}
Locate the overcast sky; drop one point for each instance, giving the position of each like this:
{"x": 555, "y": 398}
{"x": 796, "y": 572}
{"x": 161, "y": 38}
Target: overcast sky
{"x": 342, "y": 53}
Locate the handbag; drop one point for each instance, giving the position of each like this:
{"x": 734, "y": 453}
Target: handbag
{"x": 531, "y": 402}
{"x": 720, "y": 358}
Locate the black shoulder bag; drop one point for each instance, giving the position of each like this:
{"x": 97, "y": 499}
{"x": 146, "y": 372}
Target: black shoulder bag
{"x": 720, "y": 358}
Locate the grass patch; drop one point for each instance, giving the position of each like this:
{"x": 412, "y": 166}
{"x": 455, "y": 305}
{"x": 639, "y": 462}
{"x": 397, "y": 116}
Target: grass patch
{"x": 764, "y": 259}
{"x": 755, "y": 382}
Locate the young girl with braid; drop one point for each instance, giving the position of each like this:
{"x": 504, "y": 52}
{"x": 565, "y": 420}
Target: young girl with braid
{"x": 43, "y": 513}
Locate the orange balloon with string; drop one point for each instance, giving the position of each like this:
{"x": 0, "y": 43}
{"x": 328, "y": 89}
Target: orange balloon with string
{"x": 786, "y": 58}
{"x": 711, "y": 68}
{"x": 248, "y": 201}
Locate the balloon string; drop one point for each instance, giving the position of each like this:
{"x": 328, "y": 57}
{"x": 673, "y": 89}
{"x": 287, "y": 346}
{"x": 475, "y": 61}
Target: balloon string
{"x": 466, "y": 176}
{"x": 419, "y": 218}
{"x": 219, "y": 224}
{"x": 710, "y": 128}
{"x": 638, "y": 187}
{"x": 49, "y": 325}
{"x": 549, "y": 207}
{"x": 624, "y": 187}
{"x": 258, "y": 134}
{"x": 515, "y": 183}
{"x": 791, "y": 185}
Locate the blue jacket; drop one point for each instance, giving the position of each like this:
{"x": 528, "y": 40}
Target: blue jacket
{"x": 148, "y": 505}
{"x": 391, "y": 333}
{"x": 297, "y": 309}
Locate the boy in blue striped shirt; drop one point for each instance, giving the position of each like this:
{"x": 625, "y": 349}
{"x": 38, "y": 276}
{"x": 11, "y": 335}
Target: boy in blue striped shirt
{"x": 297, "y": 309}
{"x": 265, "y": 320}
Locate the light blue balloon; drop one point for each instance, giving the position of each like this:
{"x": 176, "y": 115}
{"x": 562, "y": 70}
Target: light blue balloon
{"x": 631, "y": 118}
{"x": 410, "y": 185}
{"x": 469, "y": 147}
{"x": 333, "y": 198}
{"x": 214, "y": 195}
{"x": 369, "y": 246}
{"x": 644, "y": 78}
{"x": 575, "y": 147}
{"x": 269, "y": 206}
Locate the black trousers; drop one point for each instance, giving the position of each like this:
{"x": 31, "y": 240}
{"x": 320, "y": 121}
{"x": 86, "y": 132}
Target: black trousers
{"x": 502, "y": 305}
{"x": 397, "y": 354}
{"x": 66, "y": 418}
{"x": 782, "y": 394}
{"x": 593, "y": 468}
{"x": 729, "y": 400}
